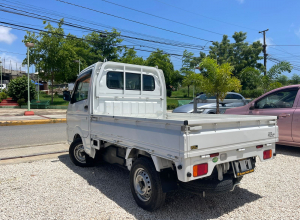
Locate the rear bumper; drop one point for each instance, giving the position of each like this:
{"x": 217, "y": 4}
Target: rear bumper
{"x": 186, "y": 173}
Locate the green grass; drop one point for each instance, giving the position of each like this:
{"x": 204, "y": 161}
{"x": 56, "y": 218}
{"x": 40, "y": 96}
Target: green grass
{"x": 57, "y": 99}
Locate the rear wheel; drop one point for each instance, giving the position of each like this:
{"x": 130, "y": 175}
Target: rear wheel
{"x": 78, "y": 155}
{"x": 146, "y": 185}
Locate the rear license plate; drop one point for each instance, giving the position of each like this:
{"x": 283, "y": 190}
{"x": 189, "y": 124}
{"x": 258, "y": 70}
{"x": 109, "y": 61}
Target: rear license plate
{"x": 242, "y": 167}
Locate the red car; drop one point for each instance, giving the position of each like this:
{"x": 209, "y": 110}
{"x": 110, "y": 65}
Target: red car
{"x": 283, "y": 103}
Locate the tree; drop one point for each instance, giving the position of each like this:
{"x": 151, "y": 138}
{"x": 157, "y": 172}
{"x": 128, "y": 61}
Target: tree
{"x": 129, "y": 56}
{"x": 104, "y": 46}
{"x": 18, "y": 88}
{"x": 250, "y": 78}
{"x": 191, "y": 79}
{"x": 283, "y": 79}
{"x": 295, "y": 79}
{"x": 218, "y": 79}
{"x": 273, "y": 73}
{"x": 162, "y": 61}
{"x": 53, "y": 53}
{"x": 187, "y": 64}
{"x": 240, "y": 54}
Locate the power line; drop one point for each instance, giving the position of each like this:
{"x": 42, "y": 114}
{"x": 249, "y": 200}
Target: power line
{"x": 148, "y": 25}
{"x": 53, "y": 13}
{"x": 12, "y": 52}
{"x": 191, "y": 12}
{"x": 295, "y": 45}
{"x": 37, "y": 16}
{"x": 156, "y": 16}
{"x": 35, "y": 30}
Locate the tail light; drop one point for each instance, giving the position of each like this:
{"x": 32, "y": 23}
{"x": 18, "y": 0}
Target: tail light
{"x": 200, "y": 169}
{"x": 267, "y": 154}
{"x": 259, "y": 146}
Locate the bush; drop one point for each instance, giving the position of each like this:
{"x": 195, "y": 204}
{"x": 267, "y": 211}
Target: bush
{"x": 171, "y": 106}
{"x": 21, "y": 102}
{"x": 3, "y": 95}
{"x": 17, "y": 89}
{"x": 252, "y": 93}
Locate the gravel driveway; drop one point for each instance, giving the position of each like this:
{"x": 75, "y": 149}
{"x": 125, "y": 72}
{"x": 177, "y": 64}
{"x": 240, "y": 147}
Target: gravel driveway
{"x": 56, "y": 189}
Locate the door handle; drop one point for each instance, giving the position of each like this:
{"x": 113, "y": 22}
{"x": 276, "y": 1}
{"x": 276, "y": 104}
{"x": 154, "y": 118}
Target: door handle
{"x": 86, "y": 107}
{"x": 284, "y": 115}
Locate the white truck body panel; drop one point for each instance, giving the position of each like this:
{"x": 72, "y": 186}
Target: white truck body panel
{"x": 138, "y": 120}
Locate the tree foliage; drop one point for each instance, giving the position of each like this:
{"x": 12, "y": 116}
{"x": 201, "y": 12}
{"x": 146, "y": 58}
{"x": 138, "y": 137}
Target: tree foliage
{"x": 130, "y": 56}
{"x": 191, "y": 79}
{"x": 295, "y": 79}
{"x": 162, "y": 61}
{"x": 269, "y": 81}
{"x": 218, "y": 79}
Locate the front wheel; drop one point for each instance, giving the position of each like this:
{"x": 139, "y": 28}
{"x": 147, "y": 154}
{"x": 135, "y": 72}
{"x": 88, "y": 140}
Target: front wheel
{"x": 78, "y": 155}
{"x": 146, "y": 185}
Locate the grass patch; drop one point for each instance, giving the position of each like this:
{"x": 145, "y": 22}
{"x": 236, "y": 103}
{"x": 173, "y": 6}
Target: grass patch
{"x": 57, "y": 99}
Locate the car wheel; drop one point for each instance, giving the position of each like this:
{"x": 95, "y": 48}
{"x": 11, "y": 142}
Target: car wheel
{"x": 146, "y": 185}
{"x": 78, "y": 155}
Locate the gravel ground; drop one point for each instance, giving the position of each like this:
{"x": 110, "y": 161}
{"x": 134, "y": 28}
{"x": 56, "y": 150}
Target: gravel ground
{"x": 56, "y": 189}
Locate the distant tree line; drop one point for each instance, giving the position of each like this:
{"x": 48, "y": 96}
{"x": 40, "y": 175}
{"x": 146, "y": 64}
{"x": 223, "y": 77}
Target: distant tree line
{"x": 55, "y": 52}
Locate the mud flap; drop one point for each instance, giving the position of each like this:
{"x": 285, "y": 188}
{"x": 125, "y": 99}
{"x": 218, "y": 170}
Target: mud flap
{"x": 169, "y": 180}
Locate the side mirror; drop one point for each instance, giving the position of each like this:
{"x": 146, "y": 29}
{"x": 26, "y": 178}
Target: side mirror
{"x": 252, "y": 105}
{"x": 67, "y": 96}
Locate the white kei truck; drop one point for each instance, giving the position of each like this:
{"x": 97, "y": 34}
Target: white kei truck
{"x": 118, "y": 114}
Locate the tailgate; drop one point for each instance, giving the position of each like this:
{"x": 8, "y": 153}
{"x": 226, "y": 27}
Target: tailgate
{"x": 207, "y": 138}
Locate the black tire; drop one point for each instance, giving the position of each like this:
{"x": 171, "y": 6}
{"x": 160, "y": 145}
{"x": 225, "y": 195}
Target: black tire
{"x": 80, "y": 159}
{"x": 143, "y": 169}
{"x": 209, "y": 186}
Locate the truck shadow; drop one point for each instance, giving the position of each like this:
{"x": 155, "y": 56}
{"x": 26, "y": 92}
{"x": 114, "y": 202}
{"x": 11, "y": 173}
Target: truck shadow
{"x": 113, "y": 182}
{"x": 288, "y": 150}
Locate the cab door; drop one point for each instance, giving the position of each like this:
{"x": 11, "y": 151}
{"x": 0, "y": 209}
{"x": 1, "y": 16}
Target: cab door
{"x": 78, "y": 110}
{"x": 281, "y": 104}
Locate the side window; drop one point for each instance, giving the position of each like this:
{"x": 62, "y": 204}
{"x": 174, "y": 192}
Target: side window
{"x": 114, "y": 80}
{"x": 280, "y": 99}
{"x": 148, "y": 83}
{"x": 133, "y": 81}
{"x": 234, "y": 96}
{"x": 82, "y": 88}
{"x": 228, "y": 96}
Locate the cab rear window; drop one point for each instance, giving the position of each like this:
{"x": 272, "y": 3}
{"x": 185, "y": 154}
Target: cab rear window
{"x": 115, "y": 80}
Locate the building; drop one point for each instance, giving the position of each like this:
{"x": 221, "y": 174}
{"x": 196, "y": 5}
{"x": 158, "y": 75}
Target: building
{"x": 8, "y": 75}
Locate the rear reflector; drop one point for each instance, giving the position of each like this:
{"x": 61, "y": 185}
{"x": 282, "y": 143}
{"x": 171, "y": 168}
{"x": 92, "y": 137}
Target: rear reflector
{"x": 200, "y": 169}
{"x": 214, "y": 155}
{"x": 267, "y": 154}
{"x": 259, "y": 146}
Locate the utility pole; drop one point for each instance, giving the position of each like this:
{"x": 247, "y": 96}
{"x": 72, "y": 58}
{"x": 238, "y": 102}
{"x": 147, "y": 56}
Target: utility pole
{"x": 265, "y": 50}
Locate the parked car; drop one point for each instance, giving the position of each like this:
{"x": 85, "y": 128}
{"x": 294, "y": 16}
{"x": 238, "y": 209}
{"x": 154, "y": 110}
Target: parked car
{"x": 283, "y": 103}
{"x": 207, "y": 105}
{"x": 118, "y": 114}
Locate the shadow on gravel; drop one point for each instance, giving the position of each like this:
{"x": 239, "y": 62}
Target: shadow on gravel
{"x": 113, "y": 182}
{"x": 288, "y": 150}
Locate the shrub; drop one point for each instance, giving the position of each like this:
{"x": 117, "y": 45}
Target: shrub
{"x": 17, "y": 88}
{"x": 21, "y": 101}
{"x": 3, "y": 95}
{"x": 252, "y": 93}
{"x": 171, "y": 106}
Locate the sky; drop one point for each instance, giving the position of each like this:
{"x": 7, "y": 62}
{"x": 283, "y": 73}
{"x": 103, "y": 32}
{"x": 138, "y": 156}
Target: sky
{"x": 210, "y": 20}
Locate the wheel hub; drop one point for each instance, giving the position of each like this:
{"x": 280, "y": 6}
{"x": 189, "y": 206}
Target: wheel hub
{"x": 79, "y": 153}
{"x": 142, "y": 184}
